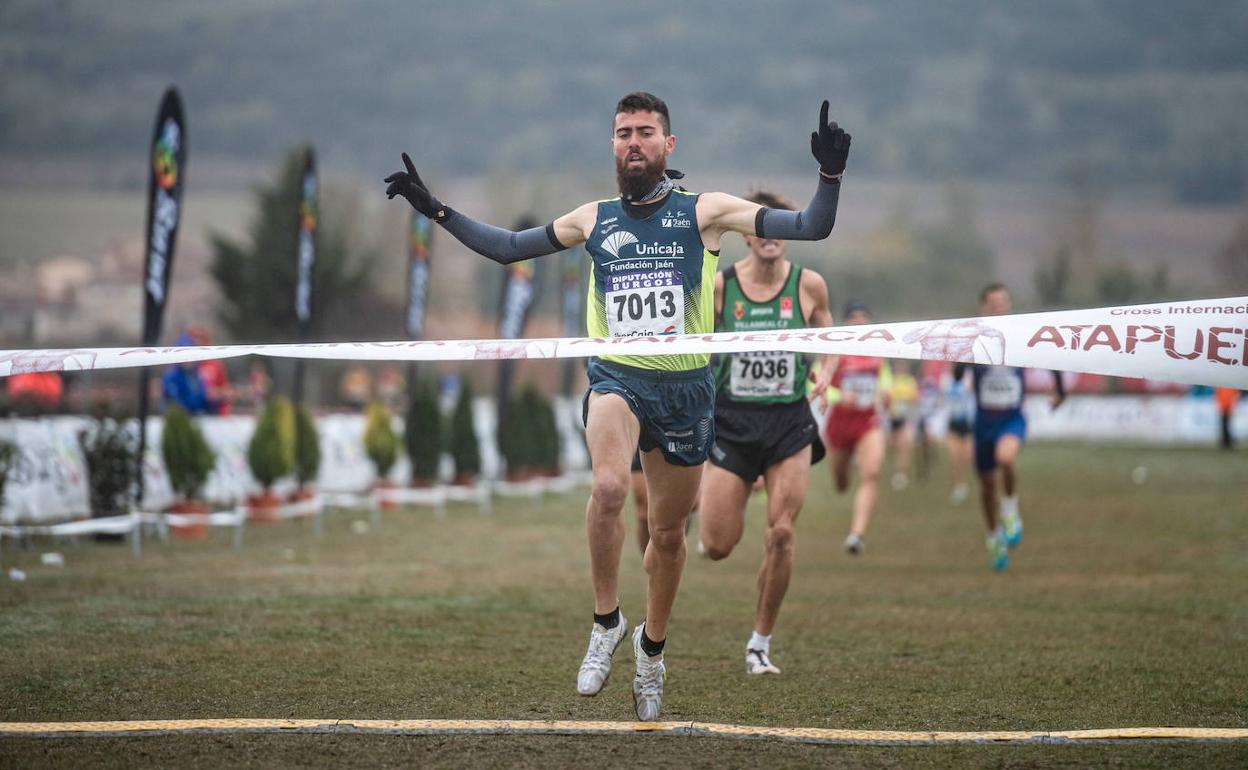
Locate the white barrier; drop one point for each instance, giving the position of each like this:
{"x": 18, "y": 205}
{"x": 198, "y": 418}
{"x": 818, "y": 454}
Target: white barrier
{"x": 48, "y": 483}
{"x": 1132, "y": 418}
{"x": 49, "y": 480}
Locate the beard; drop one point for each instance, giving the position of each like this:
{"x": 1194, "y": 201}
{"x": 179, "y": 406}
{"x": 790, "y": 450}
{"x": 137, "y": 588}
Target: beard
{"x": 636, "y": 182}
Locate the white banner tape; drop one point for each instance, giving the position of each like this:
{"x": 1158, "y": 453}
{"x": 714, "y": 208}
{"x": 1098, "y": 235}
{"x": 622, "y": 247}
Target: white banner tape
{"x": 1199, "y": 342}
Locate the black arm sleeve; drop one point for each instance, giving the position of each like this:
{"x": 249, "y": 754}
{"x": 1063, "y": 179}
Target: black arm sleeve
{"x": 502, "y": 246}
{"x": 814, "y": 223}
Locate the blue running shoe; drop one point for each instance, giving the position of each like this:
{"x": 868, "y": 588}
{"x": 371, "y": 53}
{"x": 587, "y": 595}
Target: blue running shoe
{"x": 998, "y": 551}
{"x": 1012, "y": 523}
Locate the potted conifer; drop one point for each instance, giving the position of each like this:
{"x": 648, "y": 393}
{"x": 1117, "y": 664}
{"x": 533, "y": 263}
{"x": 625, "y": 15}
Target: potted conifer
{"x": 515, "y": 438}
{"x": 189, "y": 460}
{"x": 381, "y": 444}
{"x": 465, "y": 450}
{"x": 547, "y": 432}
{"x": 422, "y": 433}
{"x": 271, "y": 455}
{"x": 307, "y": 452}
{"x": 8, "y": 454}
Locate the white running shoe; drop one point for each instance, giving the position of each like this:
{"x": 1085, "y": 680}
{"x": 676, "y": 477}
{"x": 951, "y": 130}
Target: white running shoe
{"x": 758, "y": 662}
{"x": 596, "y": 667}
{"x": 648, "y": 681}
{"x": 853, "y": 544}
{"x": 959, "y": 494}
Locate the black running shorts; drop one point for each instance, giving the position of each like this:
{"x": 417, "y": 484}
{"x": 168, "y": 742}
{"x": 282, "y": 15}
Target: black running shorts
{"x": 750, "y": 439}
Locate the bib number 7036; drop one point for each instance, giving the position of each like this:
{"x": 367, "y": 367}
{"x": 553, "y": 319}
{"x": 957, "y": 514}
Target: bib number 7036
{"x": 762, "y": 374}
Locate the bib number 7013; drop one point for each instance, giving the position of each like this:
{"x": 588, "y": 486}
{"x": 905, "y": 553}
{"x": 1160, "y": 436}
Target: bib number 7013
{"x": 635, "y": 307}
{"x": 645, "y": 304}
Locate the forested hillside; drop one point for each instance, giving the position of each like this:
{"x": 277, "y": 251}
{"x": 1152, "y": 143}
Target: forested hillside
{"x": 1126, "y": 90}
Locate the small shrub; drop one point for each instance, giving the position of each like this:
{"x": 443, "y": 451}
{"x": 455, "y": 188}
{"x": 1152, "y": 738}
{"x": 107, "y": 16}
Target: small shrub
{"x": 112, "y": 456}
{"x": 422, "y": 432}
{"x": 515, "y": 435}
{"x": 464, "y": 448}
{"x": 380, "y": 443}
{"x": 271, "y": 453}
{"x": 188, "y": 458}
{"x": 307, "y": 446}
{"x": 8, "y": 455}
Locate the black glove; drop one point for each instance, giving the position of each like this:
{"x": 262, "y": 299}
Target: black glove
{"x": 829, "y": 145}
{"x": 408, "y": 184}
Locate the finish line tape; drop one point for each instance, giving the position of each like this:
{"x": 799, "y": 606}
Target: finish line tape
{"x": 534, "y": 727}
{"x": 1197, "y": 342}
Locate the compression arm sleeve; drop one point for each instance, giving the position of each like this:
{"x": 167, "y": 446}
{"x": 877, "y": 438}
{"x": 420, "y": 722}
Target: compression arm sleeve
{"x": 814, "y": 223}
{"x": 502, "y": 246}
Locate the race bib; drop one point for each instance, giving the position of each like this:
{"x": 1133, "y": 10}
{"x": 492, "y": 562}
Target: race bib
{"x": 1000, "y": 388}
{"x": 765, "y": 373}
{"x": 645, "y": 304}
{"x": 858, "y": 389}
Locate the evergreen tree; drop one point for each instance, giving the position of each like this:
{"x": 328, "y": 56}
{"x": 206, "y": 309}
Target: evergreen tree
{"x": 257, "y": 276}
{"x": 188, "y": 458}
{"x": 422, "y": 431}
{"x": 307, "y": 446}
{"x": 464, "y": 448}
{"x": 271, "y": 453}
{"x": 380, "y": 443}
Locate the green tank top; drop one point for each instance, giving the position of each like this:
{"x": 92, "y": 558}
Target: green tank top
{"x": 769, "y": 377}
{"x": 651, "y": 277}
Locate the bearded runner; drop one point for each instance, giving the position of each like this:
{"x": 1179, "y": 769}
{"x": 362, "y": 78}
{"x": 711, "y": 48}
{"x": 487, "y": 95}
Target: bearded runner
{"x": 663, "y": 243}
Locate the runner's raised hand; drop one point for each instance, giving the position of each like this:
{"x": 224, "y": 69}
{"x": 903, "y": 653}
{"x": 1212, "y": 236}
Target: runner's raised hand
{"x": 409, "y": 185}
{"x": 829, "y": 145}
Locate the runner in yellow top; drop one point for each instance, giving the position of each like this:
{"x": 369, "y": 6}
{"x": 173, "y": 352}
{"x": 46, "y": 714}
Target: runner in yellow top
{"x": 903, "y": 410}
{"x": 654, "y": 249}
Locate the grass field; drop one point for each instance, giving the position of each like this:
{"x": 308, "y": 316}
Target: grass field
{"x": 1124, "y": 607}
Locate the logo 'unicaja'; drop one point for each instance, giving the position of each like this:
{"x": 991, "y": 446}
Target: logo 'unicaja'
{"x": 616, "y": 240}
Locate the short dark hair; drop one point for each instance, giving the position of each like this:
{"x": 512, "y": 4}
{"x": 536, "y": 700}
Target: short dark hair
{"x": 639, "y": 101}
{"x": 990, "y": 288}
{"x": 855, "y": 306}
{"x": 772, "y": 200}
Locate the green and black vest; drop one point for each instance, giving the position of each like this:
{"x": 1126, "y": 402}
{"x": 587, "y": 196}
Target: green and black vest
{"x": 768, "y": 377}
{"x": 651, "y": 277}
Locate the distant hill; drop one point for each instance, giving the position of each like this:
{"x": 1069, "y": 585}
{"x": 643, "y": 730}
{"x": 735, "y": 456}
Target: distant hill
{"x": 1128, "y": 90}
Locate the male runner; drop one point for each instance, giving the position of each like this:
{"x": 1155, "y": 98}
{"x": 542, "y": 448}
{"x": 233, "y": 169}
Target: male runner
{"x": 1000, "y": 430}
{"x": 903, "y": 411}
{"x": 853, "y": 431}
{"x": 763, "y": 424}
{"x": 654, "y": 251}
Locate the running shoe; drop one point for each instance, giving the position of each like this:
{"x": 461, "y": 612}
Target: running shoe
{"x": 998, "y": 551}
{"x": 853, "y": 544}
{"x": 959, "y": 494}
{"x": 596, "y": 667}
{"x": 758, "y": 662}
{"x": 648, "y": 681}
{"x": 1012, "y": 524}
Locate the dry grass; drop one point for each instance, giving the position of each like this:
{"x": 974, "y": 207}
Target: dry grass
{"x": 1124, "y": 607}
